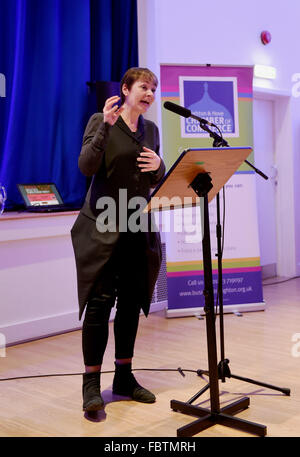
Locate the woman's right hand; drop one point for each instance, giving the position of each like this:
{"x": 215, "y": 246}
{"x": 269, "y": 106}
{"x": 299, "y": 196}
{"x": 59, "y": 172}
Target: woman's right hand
{"x": 111, "y": 111}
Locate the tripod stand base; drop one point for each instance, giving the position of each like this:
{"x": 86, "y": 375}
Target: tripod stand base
{"x": 224, "y": 372}
{"x": 224, "y": 417}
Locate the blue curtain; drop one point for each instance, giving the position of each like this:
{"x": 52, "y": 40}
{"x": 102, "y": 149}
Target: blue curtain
{"x": 49, "y": 50}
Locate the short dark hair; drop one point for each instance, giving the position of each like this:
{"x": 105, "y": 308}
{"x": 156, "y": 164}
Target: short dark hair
{"x": 133, "y": 74}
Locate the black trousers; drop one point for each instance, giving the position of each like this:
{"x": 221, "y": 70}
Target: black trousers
{"x": 117, "y": 284}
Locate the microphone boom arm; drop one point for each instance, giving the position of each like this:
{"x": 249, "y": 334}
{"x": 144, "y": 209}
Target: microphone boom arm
{"x": 218, "y": 139}
{"x": 219, "y": 142}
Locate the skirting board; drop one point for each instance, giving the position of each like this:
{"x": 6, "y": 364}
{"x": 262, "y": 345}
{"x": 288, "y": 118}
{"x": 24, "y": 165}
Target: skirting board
{"x": 242, "y": 308}
{"x": 23, "y": 332}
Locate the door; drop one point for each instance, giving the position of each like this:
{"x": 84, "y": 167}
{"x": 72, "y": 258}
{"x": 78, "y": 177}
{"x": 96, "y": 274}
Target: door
{"x": 264, "y": 157}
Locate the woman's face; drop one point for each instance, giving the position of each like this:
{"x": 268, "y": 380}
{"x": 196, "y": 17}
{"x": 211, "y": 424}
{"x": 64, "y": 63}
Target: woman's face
{"x": 140, "y": 96}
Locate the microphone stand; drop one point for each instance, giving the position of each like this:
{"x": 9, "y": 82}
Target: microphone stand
{"x": 223, "y": 366}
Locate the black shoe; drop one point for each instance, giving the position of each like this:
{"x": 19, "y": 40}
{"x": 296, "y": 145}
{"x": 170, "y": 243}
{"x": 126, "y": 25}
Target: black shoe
{"x": 92, "y": 400}
{"x": 124, "y": 383}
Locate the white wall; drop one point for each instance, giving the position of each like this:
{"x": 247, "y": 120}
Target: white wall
{"x": 37, "y": 275}
{"x": 228, "y": 33}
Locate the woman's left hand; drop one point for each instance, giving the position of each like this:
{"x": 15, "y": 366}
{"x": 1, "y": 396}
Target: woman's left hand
{"x": 148, "y": 160}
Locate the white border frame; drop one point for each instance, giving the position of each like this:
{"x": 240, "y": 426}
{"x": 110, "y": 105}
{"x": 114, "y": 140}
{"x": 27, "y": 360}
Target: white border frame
{"x": 232, "y": 79}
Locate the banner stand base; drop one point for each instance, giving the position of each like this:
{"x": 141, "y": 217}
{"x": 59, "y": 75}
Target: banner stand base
{"x": 199, "y": 311}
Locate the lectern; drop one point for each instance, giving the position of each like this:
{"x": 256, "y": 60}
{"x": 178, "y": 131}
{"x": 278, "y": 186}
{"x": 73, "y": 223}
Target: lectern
{"x": 200, "y": 174}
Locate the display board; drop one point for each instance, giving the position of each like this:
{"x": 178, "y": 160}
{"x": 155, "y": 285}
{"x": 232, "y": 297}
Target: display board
{"x": 223, "y": 96}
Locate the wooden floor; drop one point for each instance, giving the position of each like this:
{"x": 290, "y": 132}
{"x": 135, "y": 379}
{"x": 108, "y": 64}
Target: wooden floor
{"x": 259, "y": 345}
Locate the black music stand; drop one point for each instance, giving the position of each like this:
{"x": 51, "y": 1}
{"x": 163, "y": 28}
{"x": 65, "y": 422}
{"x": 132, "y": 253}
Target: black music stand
{"x": 200, "y": 174}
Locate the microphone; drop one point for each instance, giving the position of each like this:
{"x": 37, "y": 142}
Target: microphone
{"x": 177, "y": 109}
{"x": 185, "y": 112}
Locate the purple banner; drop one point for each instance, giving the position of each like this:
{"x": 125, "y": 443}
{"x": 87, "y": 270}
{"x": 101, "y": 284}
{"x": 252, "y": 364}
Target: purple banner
{"x": 238, "y": 288}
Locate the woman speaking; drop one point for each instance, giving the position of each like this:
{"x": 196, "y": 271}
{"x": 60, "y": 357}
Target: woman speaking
{"x": 120, "y": 151}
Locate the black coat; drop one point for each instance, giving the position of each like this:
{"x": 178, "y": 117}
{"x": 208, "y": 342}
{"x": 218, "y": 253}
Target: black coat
{"x": 109, "y": 155}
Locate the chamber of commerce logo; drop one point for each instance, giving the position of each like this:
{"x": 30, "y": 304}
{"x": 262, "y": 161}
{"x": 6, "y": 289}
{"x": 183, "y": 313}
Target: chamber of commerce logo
{"x": 2, "y": 85}
{"x": 212, "y": 98}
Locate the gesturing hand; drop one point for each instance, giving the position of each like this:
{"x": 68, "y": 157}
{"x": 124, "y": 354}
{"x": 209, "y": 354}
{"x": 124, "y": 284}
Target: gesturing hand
{"x": 111, "y": 111}
{"x": 148, "y": 160}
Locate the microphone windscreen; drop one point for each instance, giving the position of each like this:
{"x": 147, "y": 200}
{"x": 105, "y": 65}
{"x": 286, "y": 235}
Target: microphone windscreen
{"x": 177, "y": 109}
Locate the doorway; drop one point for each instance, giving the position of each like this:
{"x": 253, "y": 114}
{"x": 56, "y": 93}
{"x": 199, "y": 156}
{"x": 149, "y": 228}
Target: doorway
{"x": 273, "y": 152}
{"x": 264, "y": 159}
